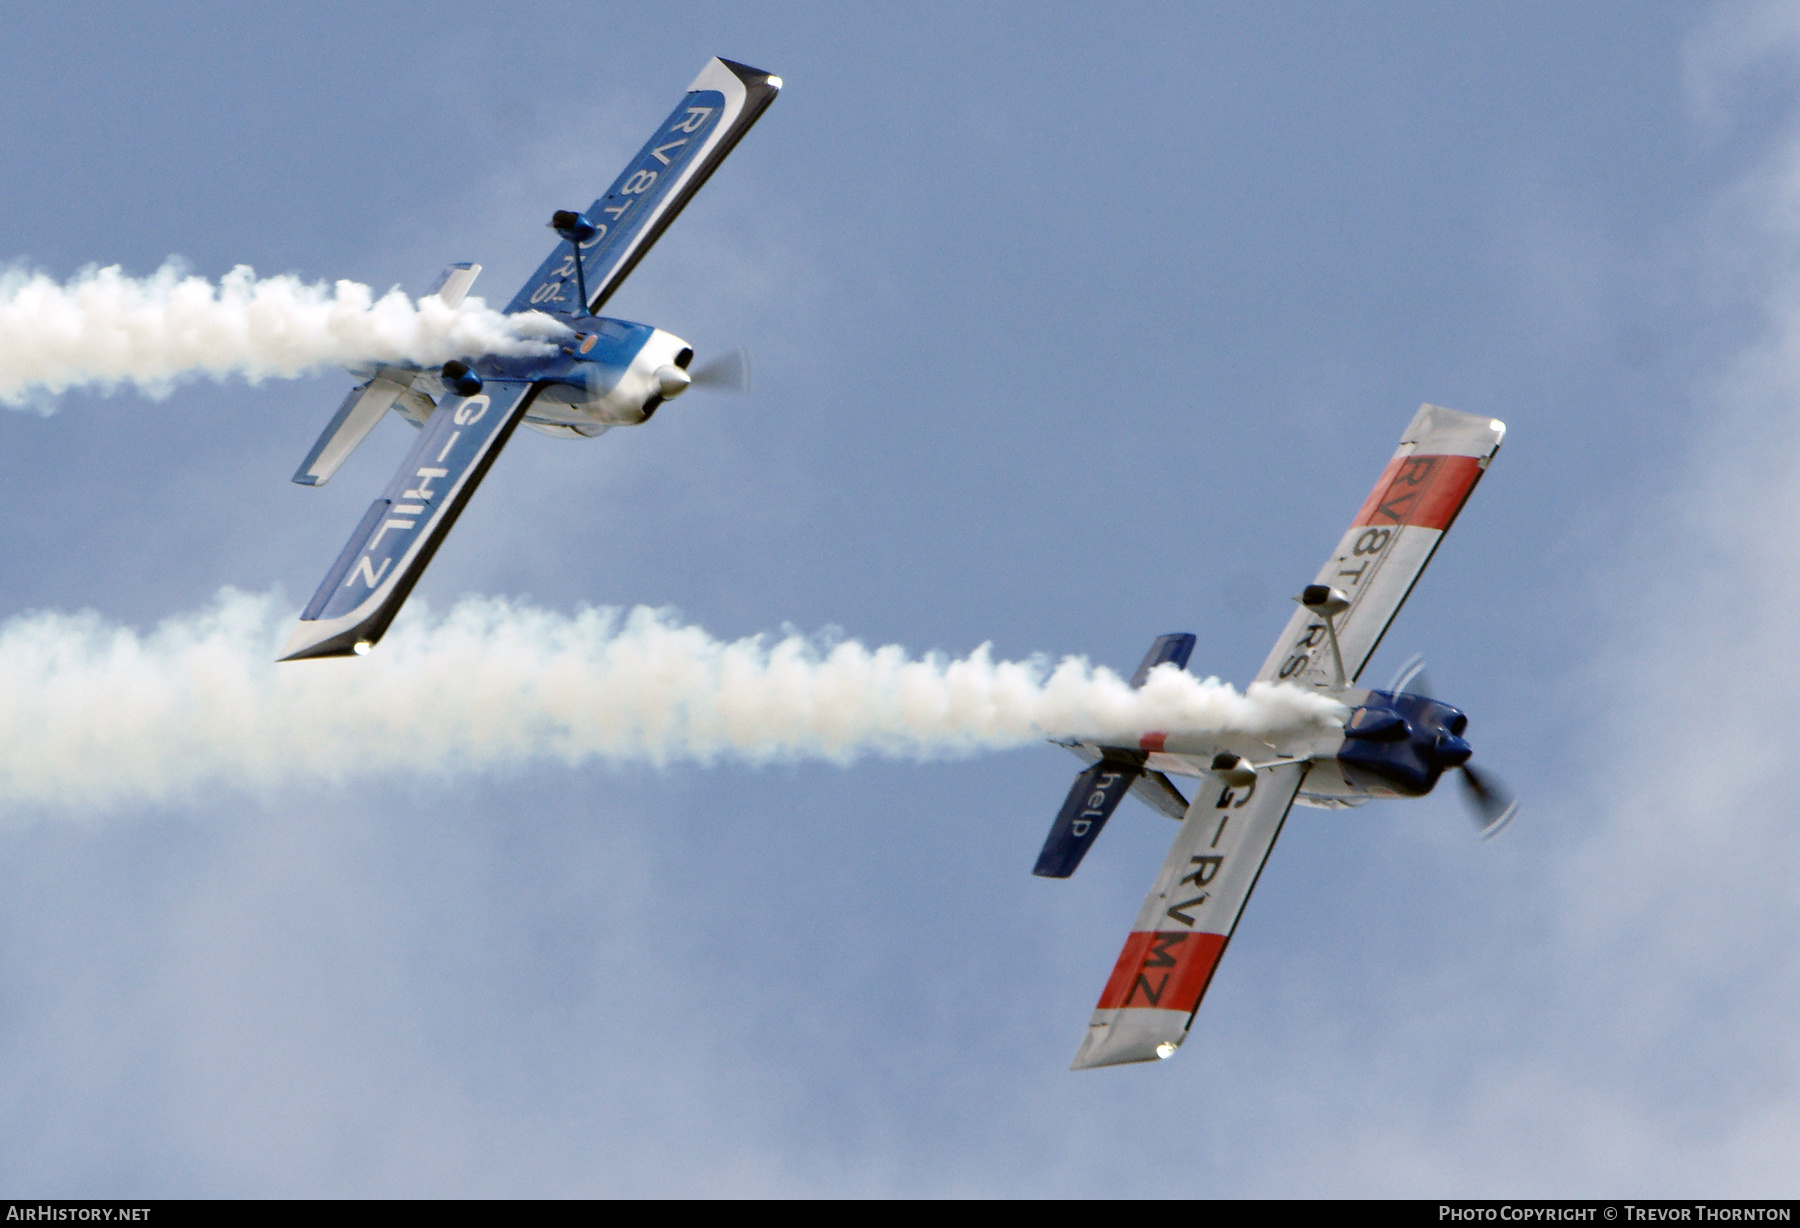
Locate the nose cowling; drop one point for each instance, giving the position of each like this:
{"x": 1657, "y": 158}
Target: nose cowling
{"x": 1377, "y": 725}
{"x": 1450, "y": 751}
{"x": 1402, "y": 743}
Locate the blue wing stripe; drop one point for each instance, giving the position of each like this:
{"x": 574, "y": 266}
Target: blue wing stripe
{"x": 403, "y": 529}
{"x": 628, "y": 205}
{"x": 351, "y": 548}
{"x": 653, "y": 188}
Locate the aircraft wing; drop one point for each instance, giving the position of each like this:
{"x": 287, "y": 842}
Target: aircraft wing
{"x": 1169, "y": 956}
{"x": 721, "y": 105}
{"x": 402, "y": 530}
{"x": 1440, "y": 458}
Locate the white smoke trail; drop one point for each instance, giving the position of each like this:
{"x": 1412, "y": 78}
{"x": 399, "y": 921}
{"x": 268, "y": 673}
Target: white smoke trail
{"x": 94, "y": 714}
{"x": 105, "y": 329}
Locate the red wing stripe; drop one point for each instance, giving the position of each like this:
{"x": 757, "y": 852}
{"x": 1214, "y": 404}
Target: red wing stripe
{"x": 1153, "y": 741}
{"x": 1162, "y": 970}
{"x": 1426, "y": 491}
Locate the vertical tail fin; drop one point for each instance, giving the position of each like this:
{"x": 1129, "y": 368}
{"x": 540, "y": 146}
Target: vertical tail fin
{"x": 453, "y": 283}
{"x": 1172, "y": 649}
{"x": 1098, "y": 791}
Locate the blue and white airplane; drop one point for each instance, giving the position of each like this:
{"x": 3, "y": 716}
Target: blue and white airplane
{"x": 609, "y": 373}
{"x": 1394, "y": 743}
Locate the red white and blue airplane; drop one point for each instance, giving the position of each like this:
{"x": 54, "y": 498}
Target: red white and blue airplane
{"x": 1394, "y": 743}
{"x": 608, "y": 373}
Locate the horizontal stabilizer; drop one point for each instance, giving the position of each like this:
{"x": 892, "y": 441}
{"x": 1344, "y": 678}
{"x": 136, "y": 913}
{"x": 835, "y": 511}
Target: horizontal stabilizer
{"x": 1098, "y": 791}
{"x": 1160, "y": 794}
{"x": 1152, "y": 788}
{"x": 355, "y": 418}
{"x": 1095, "y": 794}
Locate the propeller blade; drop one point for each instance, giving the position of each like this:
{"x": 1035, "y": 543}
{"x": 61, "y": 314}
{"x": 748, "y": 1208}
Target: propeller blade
{"x": 729, "y": 372}
{"x": 1491, "y": 803}
{"x": 1410, "y": 677}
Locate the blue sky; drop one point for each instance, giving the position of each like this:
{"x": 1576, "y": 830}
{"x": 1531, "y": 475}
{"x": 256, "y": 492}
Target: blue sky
{"x": 1073, "y": 327}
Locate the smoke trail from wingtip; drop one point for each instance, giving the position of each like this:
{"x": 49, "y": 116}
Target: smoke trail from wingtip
{"x": 104, "y": 329}
{"x": 93, "y": 714}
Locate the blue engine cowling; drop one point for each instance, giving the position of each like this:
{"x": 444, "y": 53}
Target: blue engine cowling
{"x": 1402, "y": 743}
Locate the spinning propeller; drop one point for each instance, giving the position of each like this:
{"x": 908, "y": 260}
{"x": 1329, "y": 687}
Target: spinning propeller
{"x": 729, "y": 372}
{"x": 1491, "y": 804}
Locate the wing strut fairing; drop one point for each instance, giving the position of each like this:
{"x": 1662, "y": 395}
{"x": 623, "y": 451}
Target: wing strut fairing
{"x": 1393, "y": 743}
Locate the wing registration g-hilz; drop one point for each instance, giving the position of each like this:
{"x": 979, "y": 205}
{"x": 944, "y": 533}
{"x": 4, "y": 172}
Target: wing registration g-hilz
{"x": 609, "y": 373}
{"x": 1394, "y": 743}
